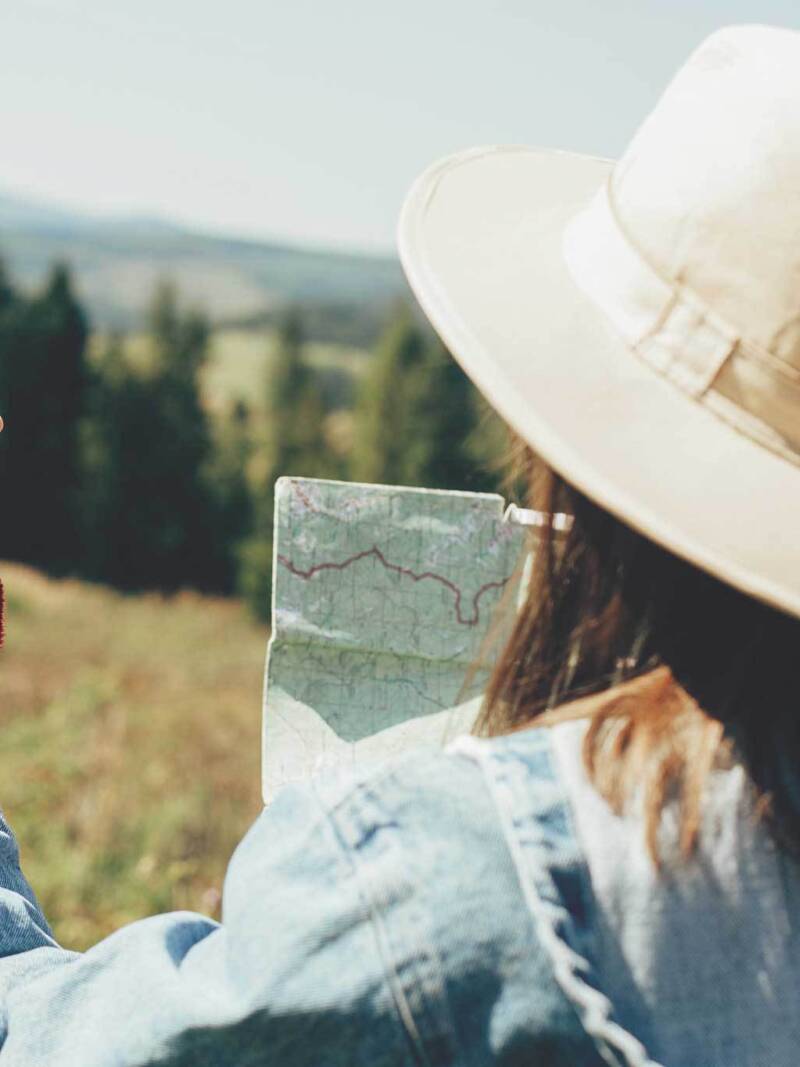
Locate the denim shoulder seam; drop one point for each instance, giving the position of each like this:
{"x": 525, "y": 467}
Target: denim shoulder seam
{"x": 530, "y": 803}
{"x": 354, "y": 819}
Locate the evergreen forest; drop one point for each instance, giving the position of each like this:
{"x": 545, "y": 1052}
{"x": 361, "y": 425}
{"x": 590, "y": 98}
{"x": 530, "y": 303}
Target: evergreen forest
{"x": 120, "y": 465}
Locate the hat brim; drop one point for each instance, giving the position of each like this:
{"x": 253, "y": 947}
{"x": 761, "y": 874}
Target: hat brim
{"x": 480, "y": 239}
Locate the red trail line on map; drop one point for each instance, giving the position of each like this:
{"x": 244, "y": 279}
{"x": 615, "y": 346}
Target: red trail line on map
{"x": 298, "y": 572}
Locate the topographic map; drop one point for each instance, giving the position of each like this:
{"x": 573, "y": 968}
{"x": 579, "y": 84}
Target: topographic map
{"x": 382, "y": 602}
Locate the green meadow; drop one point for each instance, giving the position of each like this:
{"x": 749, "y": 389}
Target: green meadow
{"x": 131, "y": 747}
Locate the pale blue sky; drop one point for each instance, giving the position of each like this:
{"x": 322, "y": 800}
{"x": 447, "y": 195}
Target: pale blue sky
{"x": 307, "y": 120}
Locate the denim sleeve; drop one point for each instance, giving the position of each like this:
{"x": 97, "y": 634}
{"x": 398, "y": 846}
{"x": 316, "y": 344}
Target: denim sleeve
{"x": 367, "y": 921}
{"x": 294, "y": 975}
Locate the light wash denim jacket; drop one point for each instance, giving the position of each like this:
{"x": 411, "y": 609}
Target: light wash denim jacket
{"x": 438, "y": 909}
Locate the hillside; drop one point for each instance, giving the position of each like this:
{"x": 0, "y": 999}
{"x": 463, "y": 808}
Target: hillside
{"x": 118, "y": 260}
{"x": 130, "y": 747}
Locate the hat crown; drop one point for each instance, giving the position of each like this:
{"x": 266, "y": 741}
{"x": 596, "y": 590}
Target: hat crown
{"x": 637, "y": 323}
{"x": 709, "y": 187}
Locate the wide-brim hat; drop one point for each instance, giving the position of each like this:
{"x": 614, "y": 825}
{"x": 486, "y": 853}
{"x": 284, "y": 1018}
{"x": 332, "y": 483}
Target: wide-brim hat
{"x": 638, "y": 322}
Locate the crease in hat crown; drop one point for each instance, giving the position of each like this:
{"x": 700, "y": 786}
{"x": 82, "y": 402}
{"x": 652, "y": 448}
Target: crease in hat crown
{"x": 692, "y": 251}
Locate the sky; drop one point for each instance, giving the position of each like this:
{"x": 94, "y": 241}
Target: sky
{"x": 306, "y": 121}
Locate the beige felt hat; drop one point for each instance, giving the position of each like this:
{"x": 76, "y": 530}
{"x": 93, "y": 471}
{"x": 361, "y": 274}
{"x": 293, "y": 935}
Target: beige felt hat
{"x": 638, "y": 322}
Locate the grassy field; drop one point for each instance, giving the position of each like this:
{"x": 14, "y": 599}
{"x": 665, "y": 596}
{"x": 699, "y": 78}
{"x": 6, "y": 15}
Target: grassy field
{"x": 130, "y": 747}
{"x": 239, "y": 361}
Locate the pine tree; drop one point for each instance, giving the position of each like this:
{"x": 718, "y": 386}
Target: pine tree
{"x": 227, "y": 477}
{"x": 384, "y": 448}
{"x": 295, "y": 411}
{"x": 456, "y": 427}
{"x": 295, "y": 445}
{"x": 113, "y": 525}
{"x": 9, "y": 302}
{"x": 8, "y": 316}
{"x": 44, "y": 378}
{"x": 147, "y": 444}
{"x": 418, "y": 419}
{"x": 7, "y": 294}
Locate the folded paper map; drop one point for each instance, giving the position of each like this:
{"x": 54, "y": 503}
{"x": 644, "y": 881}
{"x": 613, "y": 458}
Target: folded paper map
{"x": 382, "y": 601}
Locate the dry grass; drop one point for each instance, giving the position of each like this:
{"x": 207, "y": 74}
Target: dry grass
{"x": 129, "y": 751}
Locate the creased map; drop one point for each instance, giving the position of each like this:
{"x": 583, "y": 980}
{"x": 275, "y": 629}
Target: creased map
{"x": 382, "y": 598}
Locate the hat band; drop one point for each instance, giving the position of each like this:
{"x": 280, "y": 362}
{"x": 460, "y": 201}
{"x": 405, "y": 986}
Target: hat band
{"x": 675, "y": 332}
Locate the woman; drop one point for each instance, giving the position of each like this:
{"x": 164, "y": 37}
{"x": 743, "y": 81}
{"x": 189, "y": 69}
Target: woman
{"x": 622, "y": 886}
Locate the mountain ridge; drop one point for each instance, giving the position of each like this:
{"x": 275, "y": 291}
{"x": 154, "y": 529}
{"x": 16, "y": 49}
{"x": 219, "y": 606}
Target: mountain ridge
{"x": 117, "y": 260}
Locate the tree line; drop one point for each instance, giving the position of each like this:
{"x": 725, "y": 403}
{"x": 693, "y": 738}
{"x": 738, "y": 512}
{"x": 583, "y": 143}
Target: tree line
{"x": 113, "y": 469}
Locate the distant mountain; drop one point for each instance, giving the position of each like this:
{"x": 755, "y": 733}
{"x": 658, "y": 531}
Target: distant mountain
{"x": 116, "y": 262}
{"x": 17, "y": 212}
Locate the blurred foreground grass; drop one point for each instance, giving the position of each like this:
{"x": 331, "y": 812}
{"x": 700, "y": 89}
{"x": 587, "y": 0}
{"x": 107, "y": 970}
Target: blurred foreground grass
{"x": 129, "y": 747}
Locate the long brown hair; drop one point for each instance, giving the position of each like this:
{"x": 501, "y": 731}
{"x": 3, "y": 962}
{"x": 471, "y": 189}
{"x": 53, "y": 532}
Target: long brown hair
{"x": 693, "y": 672}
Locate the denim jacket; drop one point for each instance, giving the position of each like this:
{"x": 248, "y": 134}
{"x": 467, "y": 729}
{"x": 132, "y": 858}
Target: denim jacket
{"x": 437, "y": 909}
